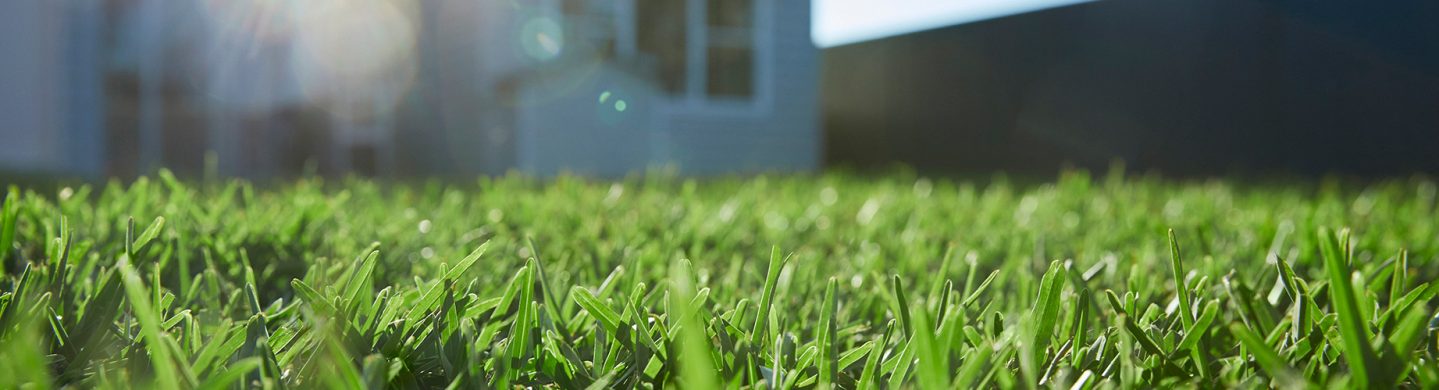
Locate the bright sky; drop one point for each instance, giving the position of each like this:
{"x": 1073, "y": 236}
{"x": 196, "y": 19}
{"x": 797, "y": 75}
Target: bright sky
{"x": 838, "y": 22}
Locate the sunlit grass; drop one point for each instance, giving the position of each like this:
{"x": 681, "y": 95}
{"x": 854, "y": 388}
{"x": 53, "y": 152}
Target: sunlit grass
{"x": 763, "y": 282}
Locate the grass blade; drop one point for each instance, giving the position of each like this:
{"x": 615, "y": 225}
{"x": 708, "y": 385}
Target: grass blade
{"x": 166, "y": 375}
{"x": 697, "y": 369}
{"x": 827, "y": 336}
{"x": 1353, "y": 328}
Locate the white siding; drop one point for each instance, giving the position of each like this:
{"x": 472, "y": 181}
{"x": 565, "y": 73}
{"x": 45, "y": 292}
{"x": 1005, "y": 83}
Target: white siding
{"x": 572, "y": 122}
{"x": 31, "y": 81}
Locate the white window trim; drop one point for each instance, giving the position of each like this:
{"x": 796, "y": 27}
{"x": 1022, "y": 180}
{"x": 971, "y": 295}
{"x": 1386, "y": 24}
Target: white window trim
{"x": 625, "y": 28}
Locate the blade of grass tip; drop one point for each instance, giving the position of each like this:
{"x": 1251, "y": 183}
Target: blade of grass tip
{"x": 804, "y": 362}
{"x": 548, "y": 298}
{"x": 902, "y": 306}
{"x": 360, "y": 278}
{"x": 130, "y": 236}
{"x": 150, "y": 233}
{"x": 18, "y": 296}
{"x": 943, "y": 300}
{"x": 8, "y": 216}
{"x": 1286, "y": 273}
{"x": 253, "y": 298}
{"x": 257, "y": 344}
{"x": 1353, "y": 334}
{"x": 1421, "y": 293}
{"x": 766, "y": 300}
{"x": 1176, "y": 265}
{"x": 1079, "y": 323}
{"x": 974, "y": 295}
{"x": 512, "y": 291}
{"x": 1115, "y": 302}
{"x": 697, "y": 370}
{"x": 313, "y": 298}
{"x": 1399, "y": 279}
{"x": 828, "y": 354}
{"x": 597, "y": 309}
{"x": 165, "y": 373}
{"x": 1046, "y": 312}
{"x": 1279, "y": 372}
{"x": 1303, "y": 306}
{"x": 464, "y": 265}
{"x": 971, "y": 260}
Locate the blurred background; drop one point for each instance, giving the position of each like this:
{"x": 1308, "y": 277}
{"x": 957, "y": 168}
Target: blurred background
{"x": 454, "y": 88}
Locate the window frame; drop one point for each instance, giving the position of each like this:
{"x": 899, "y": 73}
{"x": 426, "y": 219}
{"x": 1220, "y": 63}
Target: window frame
{"x": 696, "y": 97}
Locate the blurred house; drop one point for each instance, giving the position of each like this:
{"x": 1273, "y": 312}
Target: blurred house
{"x": 1182, "y": 86}
{"x": 407, "y": 87}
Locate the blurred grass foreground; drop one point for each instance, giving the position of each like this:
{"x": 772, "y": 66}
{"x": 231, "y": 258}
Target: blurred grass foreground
{"x": 768, "y": 282}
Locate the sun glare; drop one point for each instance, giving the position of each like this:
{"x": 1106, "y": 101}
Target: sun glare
{"x": 355, "y": 58}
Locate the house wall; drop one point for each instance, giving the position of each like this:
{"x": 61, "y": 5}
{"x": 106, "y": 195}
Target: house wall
{"x": 50, "y": 103}
{"x": 595, "y": 121}
{"x": 459, "y": 118}
{"x": 781, "y": 136}
{"x": 438, "y": 124}
{"x": 31, "y": 116}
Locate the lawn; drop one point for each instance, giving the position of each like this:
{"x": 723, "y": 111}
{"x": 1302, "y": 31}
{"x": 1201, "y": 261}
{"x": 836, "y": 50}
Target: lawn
{"x": 822, "y": 281}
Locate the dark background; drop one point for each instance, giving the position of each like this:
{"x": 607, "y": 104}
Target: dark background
{"x": 1183, "y": 87}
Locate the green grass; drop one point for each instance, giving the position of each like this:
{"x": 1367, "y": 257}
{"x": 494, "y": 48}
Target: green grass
{"x": 767, "y": 283}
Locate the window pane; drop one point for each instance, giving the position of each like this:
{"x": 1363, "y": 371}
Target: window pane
{"x": 661, "y": 35}
{"x": 731, "y": 72}
{"x": 730, "y": 13}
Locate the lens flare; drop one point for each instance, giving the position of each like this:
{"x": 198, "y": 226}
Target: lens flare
{"x": 355, "y": 58}
{"x": 246, "y": 55}
{"x": 613, "y": 103}
{"x": 542, "y": 38}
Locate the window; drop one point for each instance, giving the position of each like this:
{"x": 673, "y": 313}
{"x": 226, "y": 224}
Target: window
{"x": 729, "y": 52}
{"x": 731, "y": 72}
{"x": 701, "y": 50}
{"x": 663, "y": 37}
{"x": 730, "y": 13}
{"x": 590, "y": 28}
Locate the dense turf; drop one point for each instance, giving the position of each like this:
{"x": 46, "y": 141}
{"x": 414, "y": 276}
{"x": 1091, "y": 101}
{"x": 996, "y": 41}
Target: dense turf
{"x": 762, "y": 283}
